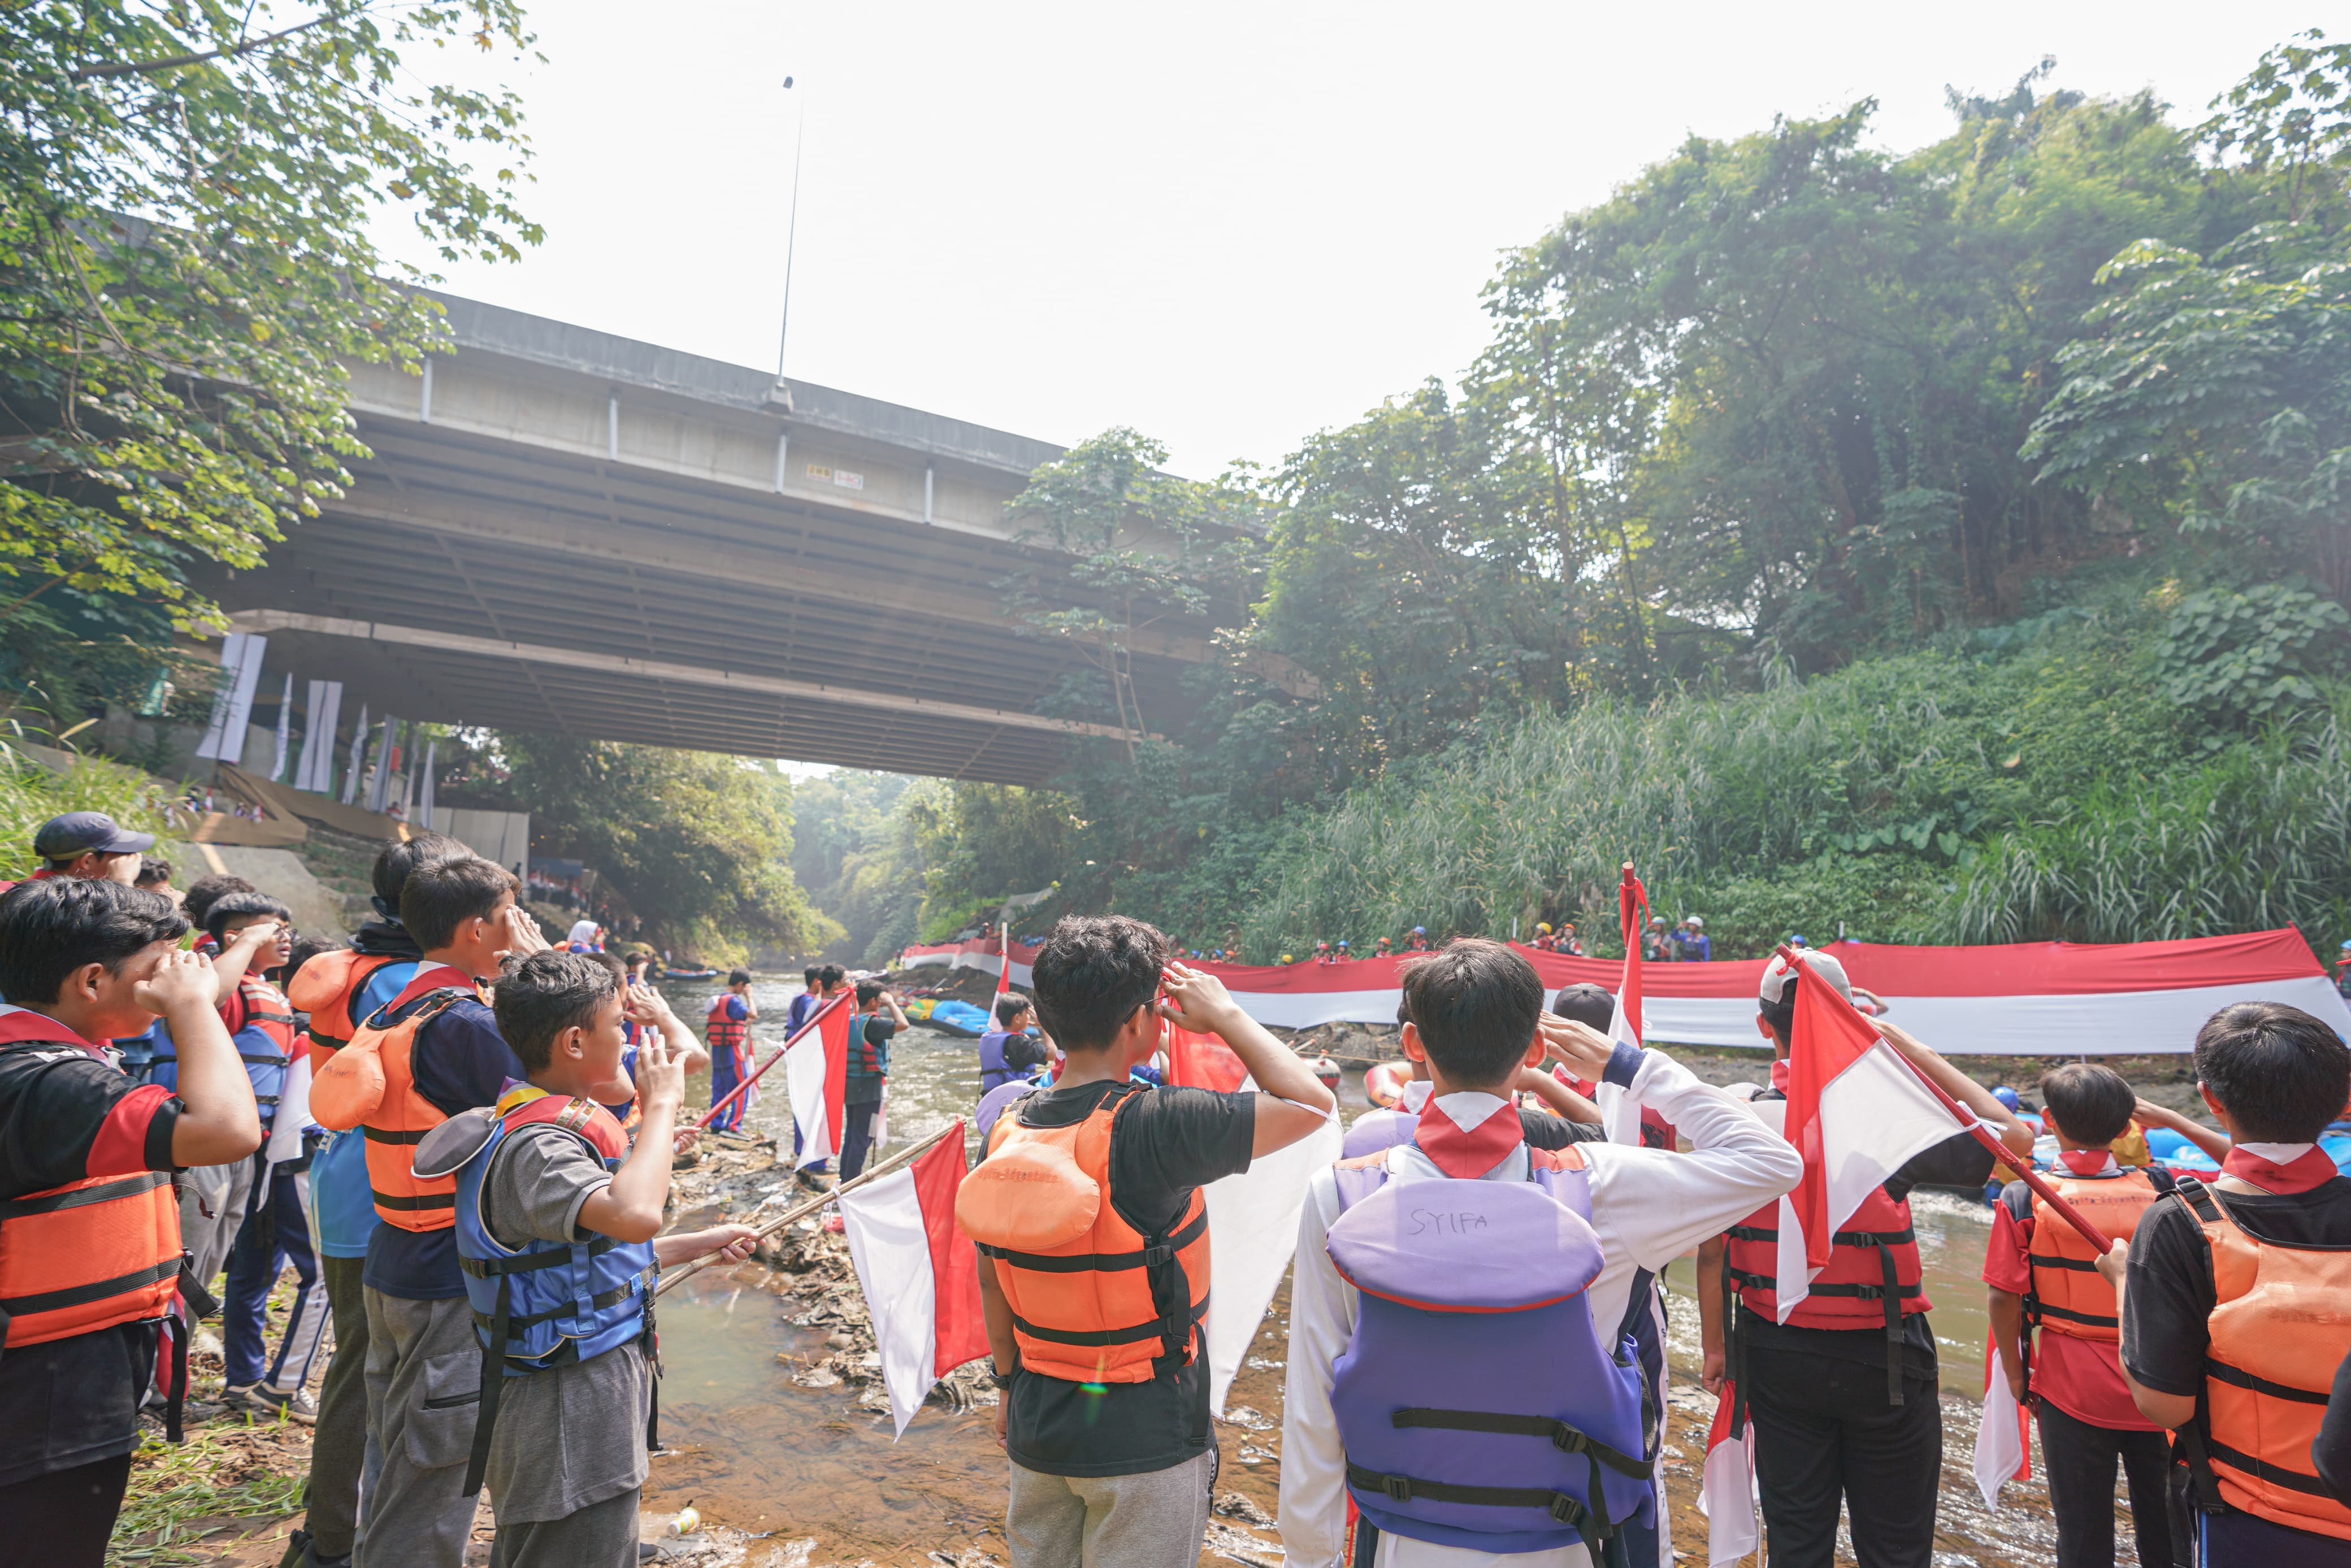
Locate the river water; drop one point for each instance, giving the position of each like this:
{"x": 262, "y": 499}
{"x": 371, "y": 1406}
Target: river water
{"x": 815, "y": 1476}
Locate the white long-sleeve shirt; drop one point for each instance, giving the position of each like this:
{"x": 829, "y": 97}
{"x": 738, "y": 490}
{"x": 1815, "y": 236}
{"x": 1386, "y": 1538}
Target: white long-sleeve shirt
{"x": 1648, "y": 1207}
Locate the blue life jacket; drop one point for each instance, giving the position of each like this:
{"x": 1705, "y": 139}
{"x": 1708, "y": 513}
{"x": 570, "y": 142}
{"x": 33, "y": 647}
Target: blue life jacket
{"x": 549, "y": 1304}
{"x": 994, "y": 1073}
{"x": 265, "y": 1044}
{"x": 1476, "y": 1404}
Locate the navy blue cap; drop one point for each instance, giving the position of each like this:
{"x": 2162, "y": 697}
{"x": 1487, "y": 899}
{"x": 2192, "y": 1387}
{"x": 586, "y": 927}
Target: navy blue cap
{"x": 78, "y": 832}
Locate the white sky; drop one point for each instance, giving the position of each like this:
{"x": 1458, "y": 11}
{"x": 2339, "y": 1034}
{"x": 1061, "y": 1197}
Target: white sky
{"x": 1226, "y": 225}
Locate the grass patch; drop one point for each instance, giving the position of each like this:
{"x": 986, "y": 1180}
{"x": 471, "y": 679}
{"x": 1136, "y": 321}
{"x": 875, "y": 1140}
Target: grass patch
{"x": 181, "y": 1496}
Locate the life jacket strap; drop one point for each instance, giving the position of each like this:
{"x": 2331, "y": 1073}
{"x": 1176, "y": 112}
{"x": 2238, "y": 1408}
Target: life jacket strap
{"x": 1103, "y": 1262}
{"x": 1177, "y": 1327}
{"x": 1558, "y": 1504}
{"x": 2077, "y": 1265}
{"x": 2222, "y": 1372}
{"x": 2276, "y": 1475}
{"x": 1567, "y": 1440}
{"x": 2038, "y": 1310}
{"x": 612, "y": 1297}
{"x": 1841, "y": 1238}
{"x": 527, "y": 1262}
{"x": 394, "y": 1134}
{"x": 96, "y": 1291}
{"x": 410, "y": 1202}
{"x": 82, "y": 1197}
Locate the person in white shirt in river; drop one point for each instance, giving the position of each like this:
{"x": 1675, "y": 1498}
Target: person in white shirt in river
{"x": 1477, "y": 1010}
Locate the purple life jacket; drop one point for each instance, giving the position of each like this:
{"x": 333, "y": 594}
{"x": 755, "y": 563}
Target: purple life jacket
{"x": 1476, "y": 1404}
{"x": 1375, "y": 1132}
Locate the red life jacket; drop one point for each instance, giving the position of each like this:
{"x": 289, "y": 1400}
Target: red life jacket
{"x": 726, "y": 1035}
{"x": 1874, "y": 1279}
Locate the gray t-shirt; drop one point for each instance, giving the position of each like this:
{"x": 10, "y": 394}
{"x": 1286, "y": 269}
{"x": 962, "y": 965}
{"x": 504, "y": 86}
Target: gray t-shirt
{"x": 575, "y": 1435}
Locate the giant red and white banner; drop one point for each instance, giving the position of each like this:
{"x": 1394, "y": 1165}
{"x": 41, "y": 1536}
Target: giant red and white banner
{"x": 2028, "y": 999}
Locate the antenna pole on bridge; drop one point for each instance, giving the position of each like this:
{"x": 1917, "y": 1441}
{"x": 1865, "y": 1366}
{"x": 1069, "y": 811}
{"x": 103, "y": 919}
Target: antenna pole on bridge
{"x": 791, "y": 231}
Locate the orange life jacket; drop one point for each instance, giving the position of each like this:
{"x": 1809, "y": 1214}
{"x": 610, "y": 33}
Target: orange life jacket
{"x": 370, "y": 1084}
{"x": 2280, "y": 1325}
{"x": 91, "y": 1254}
{"x": 1873, "y": 1279}
{"x": 324, "y": 988}
{"x": 2069, "y": 1296}
{"x": 1094, "y": 1298}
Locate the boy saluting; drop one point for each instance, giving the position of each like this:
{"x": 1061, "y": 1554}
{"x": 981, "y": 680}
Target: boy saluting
{"x": 557, "y": 1233}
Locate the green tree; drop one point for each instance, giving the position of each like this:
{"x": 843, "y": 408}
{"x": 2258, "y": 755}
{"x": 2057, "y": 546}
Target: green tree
{"x": 186, "y": 192}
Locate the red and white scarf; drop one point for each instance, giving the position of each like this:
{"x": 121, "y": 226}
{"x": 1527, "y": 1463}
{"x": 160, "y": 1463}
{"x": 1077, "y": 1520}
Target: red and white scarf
{"x": 1467, "y": 1134}
{"x": 2280, "y": 1167}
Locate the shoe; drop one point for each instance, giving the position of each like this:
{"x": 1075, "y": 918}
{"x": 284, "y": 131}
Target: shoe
{"x": 260, "y": 1400}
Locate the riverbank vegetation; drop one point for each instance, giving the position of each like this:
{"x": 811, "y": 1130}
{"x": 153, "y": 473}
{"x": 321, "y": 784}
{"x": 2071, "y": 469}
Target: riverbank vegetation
{"x": 1943, "y": 546}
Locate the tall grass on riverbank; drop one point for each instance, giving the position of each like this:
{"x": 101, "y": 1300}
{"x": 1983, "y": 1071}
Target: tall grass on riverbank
{"x": 1938, "y": 797}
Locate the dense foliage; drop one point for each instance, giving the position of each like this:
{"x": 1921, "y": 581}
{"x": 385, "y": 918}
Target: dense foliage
{"x": 699, "y": 846}
{"x": 1951, "y": 544}
{"x": 186, "y": 197}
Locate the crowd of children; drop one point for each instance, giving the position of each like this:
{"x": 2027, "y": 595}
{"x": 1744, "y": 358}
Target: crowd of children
{"x": 471, "y": 1192}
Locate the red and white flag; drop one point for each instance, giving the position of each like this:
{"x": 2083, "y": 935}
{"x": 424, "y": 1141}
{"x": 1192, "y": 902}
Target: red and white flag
{"x": 1726, "y": 1492}
{"x": 1619, "y": 1111}
{"x": 1856, "y": 1112}
{"x": 919, "y": 1273}
{"x": 816, "y": 1075}
{"x": 1252, "y": 1216}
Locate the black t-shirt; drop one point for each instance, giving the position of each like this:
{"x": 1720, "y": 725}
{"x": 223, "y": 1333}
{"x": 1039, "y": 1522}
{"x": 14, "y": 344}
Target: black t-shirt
{"x": 2168, "y": 1297}
{"x": 1163, "y": 1143}
{"x": 1957, "y": 1161}
{"x": 1545, "y": 1131}
{"x": 66, "y": 1115}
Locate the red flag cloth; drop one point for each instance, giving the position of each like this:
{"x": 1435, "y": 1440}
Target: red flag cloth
{"x": 1632, "y": 904}
{"x": 833, "y": 1029}
{"x": 1198, "y": 1061}
{"x": 962, "y": 1327}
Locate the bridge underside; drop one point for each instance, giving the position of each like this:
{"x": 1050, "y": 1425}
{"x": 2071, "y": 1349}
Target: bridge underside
{"x": 469, "y": 580}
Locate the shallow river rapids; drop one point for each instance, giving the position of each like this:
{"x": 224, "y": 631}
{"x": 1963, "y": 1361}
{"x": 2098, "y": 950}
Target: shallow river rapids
{"x": 805, "y": 1467}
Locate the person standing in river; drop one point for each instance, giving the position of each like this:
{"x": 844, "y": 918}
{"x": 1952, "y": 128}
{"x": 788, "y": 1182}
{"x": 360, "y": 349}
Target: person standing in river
{"x": 1093, "y": 1241}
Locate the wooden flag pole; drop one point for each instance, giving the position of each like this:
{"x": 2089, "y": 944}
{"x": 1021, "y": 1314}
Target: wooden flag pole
{"x": 802, "y": 1212}
{"x": 1974, "y": 1126}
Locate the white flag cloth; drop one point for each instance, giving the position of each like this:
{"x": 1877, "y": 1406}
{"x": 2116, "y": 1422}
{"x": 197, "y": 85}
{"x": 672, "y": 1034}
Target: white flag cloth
{"x": 293, "y": 1112}
{"x": 919, "y": 1273}
{"x": 1726, "y": 1493}
{"x": 2000, "y": 1453}
{"x": 1252, "y": 1236}
{"x": 1620, "y": 1114}
{"x": 804, "y": 1081}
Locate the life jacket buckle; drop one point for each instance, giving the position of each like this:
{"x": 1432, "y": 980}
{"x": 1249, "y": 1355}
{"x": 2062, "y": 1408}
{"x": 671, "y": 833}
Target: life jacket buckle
{"x": 1568, "y": 1441}
{"x": 1398, "y": 1487}
{"x": 1565, "y": 1508}
{"x": 1158, "y": 1257}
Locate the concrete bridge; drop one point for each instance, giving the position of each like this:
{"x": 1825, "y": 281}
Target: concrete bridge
{"x": 565, "y": 531}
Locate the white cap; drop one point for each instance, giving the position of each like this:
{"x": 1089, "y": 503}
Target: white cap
{"x": 1775, "y": 975}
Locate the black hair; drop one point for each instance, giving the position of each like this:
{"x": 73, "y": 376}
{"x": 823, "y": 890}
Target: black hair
{"x": 1781, "y": 1015}
{"x": 2089, "y": 1103}
{"x": 305, "y": 948}
{"x": 2280, "y": 1073}
{"x": 614, "y": 962}
{"x": 152, "y": 872}
{"x": 441, "y": 896}
{"x": 1476, "y": 1004}
{"x": 51, "y": 927}
{"x": 1587, "y": 1004}
{"x": 1010, "y": 1005}
{"x": 808, "y": 977}
{"x": 831, "y": 975}
{"x": 1092, "y": 974}
{"x": 540, "y": 995}
{"x": 1404, "y": 1012}
{"x": 400, "y": 858}
{"x": 738, "y": 977}
{"x": 867, "y": 990}
{"x": 228, "y": 907}
{"x": 206, "y": 890}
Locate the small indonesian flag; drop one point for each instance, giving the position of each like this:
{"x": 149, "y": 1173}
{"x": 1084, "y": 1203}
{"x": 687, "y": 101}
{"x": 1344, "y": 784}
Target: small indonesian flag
{"x": 2004, "y": 1449}
{"x": 919, "y": 1273}
{"x": 1726, "y": 1493}
{"x": 1856, "y": 1112}
{"x": 1252, "y": 1216}
{"x": 805, "y": 1071}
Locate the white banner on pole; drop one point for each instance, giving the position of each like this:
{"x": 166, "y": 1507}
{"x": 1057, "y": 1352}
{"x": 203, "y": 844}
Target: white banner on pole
{"x": 359, "y": 758}
{"x": 285, "y": 729}
{"x": 316, "y": 770}
{"x": 241, "y": 655}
